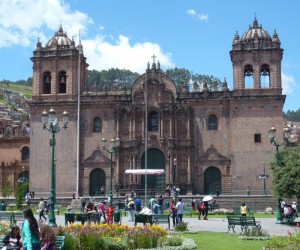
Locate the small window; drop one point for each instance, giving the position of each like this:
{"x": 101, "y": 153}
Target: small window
{"x": 212, "y": 122}
{"x": 257, "y": 138}
{"x": 25, "y": 153}
{"x": 153, "y": 121}
{"x": 97, "y": 125}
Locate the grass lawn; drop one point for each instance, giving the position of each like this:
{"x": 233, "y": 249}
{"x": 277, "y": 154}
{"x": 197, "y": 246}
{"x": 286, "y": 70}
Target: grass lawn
{"x": 223, "y": 241}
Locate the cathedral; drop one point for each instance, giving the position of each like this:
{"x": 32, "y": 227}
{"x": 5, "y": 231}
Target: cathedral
{"x": 206, "y": 138}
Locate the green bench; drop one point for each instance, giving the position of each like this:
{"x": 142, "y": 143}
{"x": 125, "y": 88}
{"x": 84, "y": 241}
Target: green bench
{"x": 77, "y": 216}
{"x": 161, "y": 218}
{"x": 243, "y": 221}
{"x": 142, "y": 218}
{"x": 1, "y": 241}
{"x": 289, "y": 219}
{"x": 17, "y": 217}
{"x": 60, "y": 242}
{"x": 188, "y": 211}
{"x": 56, "y": 208}
{"x": 6, "y": 216}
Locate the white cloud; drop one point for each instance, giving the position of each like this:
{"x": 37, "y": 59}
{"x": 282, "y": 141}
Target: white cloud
{"x": 23, "y": 21}
{"x": 203, "y": 17}
{"x": 288, "y": 84}
{"x": 191, "y": 12}
{"x": 104, "y": 55}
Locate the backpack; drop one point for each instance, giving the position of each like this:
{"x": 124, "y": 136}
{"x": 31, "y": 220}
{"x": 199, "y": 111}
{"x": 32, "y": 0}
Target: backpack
{"x": 202, "y": 206}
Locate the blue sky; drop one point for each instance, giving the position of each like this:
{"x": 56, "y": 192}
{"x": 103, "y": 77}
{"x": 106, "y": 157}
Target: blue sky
{"x": 192, "y": 34}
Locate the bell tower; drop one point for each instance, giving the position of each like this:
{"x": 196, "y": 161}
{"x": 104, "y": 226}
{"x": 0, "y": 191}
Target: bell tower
{"x": 256, "y": 58}
{"x": 55, "y": 69}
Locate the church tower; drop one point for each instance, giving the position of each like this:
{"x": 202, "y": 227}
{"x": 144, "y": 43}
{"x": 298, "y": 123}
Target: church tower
{"x": 256, "y": 59}
{"x": 55, "y": 69}
{"x": 59, "y": 68}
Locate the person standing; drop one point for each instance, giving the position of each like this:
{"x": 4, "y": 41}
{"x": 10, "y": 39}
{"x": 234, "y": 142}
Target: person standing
{"x": 30, "y": 231}
{"x": 173, "y": 213}
{"x": 42, "y": 209}
{"x": 243, "y": 209}
{"x": 102, "y": 210}
{"x": 138, "y": 203}
{"x": 199, "y": 208}
{"x": 204, "y": 207}
{"x": 179, "y": 208}
{"x": 110, "y": 213}
{"x": 131, "y": 209}
{"x": 102, "y": 190}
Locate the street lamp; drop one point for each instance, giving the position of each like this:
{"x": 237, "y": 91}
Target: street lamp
{"x": 23, "y": 173}
{"x": 115, "y": 143}
{"x": 174, "y": 177}
{"x": 50, "y": 123}
{"x": 264, "y": 176}
{"x": 272, "y": 134}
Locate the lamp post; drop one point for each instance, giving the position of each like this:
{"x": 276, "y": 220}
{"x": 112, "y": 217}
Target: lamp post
{"x": 23, "y": 174}
{"x": 115, "y": 143}
{"x": 50, "y": 123}
{"x": 272, "y": 134}
{"x": 174, "y": 178}
{"x": 264, "y": 176}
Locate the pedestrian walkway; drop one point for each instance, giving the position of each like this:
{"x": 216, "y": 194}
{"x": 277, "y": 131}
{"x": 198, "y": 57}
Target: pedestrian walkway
{"x": 215, "y": 225}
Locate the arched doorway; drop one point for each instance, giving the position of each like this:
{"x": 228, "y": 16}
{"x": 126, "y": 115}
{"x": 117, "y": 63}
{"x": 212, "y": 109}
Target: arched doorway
{"x": 212, "y": 180}
{"x": 97, "y": 180}
{"x": 23, "y": 177}
{"x": 155, "y": 160}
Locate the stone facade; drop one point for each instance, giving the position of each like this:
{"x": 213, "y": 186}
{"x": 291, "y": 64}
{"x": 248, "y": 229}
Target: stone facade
{"x": 218, "y": 137}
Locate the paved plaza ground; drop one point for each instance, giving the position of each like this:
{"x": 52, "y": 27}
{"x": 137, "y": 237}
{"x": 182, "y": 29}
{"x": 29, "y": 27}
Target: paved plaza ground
{"x": 215, "y": 224}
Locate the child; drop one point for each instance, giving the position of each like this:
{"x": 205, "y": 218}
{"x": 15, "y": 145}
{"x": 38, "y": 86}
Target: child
{"x": 48, "y": 238}
{"x": 110, "y": 213}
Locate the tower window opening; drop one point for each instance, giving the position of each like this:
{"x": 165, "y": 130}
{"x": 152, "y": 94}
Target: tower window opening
{"x": 62, "y": 77}
{"x": 265, "y": 76}
{"x": 47, "y": 83}
{"x": 248, "y": 76}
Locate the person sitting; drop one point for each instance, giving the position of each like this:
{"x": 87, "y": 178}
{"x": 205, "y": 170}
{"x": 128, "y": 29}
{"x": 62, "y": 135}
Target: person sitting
{"x": 243, "y": 209}
{"x": 89, "y": 207}
{"x": 12, "y": 239}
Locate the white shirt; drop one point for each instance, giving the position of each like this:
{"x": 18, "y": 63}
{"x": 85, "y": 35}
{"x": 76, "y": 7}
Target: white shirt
{"x": 179, "y": 207}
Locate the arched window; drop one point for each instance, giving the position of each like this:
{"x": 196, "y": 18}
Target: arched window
{"x": 248, "y": 76}
{"x": 97, "y": 125}
{"x": 47, "y": 83}
{"x": 153, "y": 121}
{"x": 212, "y": 122}
{"x": 25, "y": 153}
{"x": 62, "y": 78}
{"x": 265, "y": 76}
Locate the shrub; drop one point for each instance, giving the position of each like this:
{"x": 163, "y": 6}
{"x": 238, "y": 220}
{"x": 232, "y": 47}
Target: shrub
{"x": 291, "y": 241}
{"x": 253, "y": 233}
{"x": 182, "y": 226}
{"x": 174, "y": 240}
{"x": 112, "y": 237}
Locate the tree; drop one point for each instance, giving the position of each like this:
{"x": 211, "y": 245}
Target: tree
{"x": 286, "y": 174}
{"x": 292, "y": 115}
